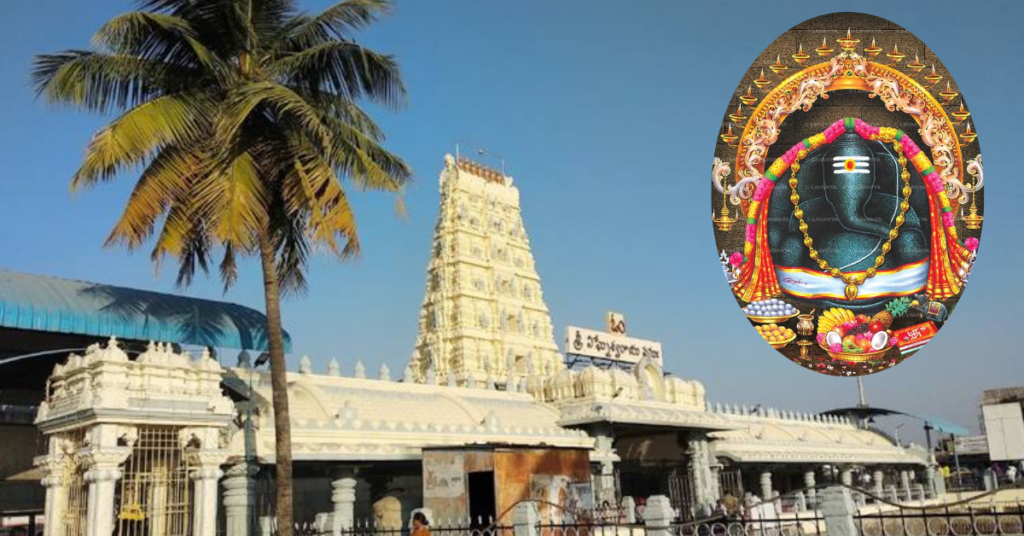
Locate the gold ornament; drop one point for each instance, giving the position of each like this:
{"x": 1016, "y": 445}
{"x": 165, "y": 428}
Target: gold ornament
{"x": 853, "y": 281}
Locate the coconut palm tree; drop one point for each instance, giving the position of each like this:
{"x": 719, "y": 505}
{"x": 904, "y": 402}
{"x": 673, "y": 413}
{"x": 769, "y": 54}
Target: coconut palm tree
{"x": 240, "y": 119}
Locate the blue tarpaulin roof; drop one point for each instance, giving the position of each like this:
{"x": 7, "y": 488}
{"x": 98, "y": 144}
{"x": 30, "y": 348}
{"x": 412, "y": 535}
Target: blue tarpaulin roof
{"x": 42, "y": 303}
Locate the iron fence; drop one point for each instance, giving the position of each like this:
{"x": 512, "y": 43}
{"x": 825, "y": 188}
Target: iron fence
{"x": 592, "y": 529}
{"x": 993, "y": 519}
{"x": 795, "y": 524}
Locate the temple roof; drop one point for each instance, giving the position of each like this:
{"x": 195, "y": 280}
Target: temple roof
{"x": 355, "y": 418}
{"x": 51, "y": 304}
{"x": 779, "y": 438}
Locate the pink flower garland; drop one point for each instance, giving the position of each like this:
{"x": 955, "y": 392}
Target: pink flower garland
{"x": 763, "y": 188}
{"x": 736, "y": 259}
{"x": 835, "y": 130}
{"x": 971, "y": 244}
{"x": 910, "y": 149}
{"x": 790, "y": 156}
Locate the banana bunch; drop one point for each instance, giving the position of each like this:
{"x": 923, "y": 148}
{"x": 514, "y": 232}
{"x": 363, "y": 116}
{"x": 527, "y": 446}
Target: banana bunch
{"x": 834, "y": 317}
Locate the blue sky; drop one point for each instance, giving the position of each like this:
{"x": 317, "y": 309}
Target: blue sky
{"x": 606, "y": 113}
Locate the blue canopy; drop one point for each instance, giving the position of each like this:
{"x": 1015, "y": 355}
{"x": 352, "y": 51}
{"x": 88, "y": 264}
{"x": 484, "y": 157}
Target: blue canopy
{"x": 945, "y": 427}
{"x": 50, "y": 304}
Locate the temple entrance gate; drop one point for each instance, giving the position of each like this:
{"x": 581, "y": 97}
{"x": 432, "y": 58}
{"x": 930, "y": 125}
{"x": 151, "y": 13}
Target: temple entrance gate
{"x": 133, "y": 448}
{"x": 156, "y": 488}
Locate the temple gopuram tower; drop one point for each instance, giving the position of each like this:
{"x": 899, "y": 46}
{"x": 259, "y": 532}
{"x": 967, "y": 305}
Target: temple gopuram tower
{"x": 483, "y": 317}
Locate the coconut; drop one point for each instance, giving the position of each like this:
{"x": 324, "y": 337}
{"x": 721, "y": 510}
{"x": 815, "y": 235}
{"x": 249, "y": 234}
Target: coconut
{"x": 833, "y": 338}
{"x": 880, "y": 341}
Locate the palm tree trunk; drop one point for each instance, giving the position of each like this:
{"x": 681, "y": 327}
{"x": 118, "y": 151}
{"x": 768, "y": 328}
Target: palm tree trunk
{"x": 279, "y": 386}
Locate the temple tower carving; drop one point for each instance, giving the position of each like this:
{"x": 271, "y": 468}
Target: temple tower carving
{"x": 483, "y": 314}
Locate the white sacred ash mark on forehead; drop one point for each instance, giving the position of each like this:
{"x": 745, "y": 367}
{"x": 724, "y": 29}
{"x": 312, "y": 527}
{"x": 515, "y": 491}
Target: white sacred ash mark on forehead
{"x": 860, "y": 164}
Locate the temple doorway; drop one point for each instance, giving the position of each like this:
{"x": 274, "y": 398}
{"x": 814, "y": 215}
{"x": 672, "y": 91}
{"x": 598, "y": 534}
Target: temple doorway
{"x": 482, "y": 499}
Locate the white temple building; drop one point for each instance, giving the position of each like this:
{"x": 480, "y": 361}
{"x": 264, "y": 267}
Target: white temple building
{"x": 170, "y": 439}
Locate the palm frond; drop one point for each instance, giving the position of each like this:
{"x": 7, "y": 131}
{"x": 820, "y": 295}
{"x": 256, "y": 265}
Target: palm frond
{"x": 345, "y": 68}
{"x": 179, "y": 119}
{"x": 234, "y": 200}
{"x": 337, "y": 21}
{"x": 312, "y": 189}
{"x": 167, "y": 180}
{"x": 292, "y": 253}
{"x": 254, "y": 98}
{"x": 365, "y": 162}
{"x": 159, "y": 37}
{"x": 103, "y": 82}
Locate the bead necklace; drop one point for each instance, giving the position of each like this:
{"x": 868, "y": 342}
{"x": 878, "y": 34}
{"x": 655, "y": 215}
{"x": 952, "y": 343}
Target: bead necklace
{"x": 853, "y": 281}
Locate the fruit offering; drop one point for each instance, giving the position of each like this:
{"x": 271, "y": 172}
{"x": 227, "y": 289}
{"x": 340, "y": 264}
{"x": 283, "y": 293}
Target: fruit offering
{"x": 773, "y": 308}
{"x": 776, "y": 335}
{"x": 841, "y": 331}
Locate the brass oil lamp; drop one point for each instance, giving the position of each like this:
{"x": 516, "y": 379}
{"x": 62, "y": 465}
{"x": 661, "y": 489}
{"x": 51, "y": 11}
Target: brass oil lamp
{"x": 872, "y": 50}
{"x": 848, "y": 43}
{"x": 961, "y": 114}
{"x": 800, "y": 57}
{"x": 749, "y": 99}
{"x": 824, "y": 50}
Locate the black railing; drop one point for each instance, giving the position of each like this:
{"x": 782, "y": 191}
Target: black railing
{"x": 987, "y": 520}
{"x": 795, "y": 524}
{"x": 592, "y": 529}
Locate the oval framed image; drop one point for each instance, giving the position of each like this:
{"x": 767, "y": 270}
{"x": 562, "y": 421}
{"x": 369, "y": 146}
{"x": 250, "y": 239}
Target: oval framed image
{"x": 847, "y": 194}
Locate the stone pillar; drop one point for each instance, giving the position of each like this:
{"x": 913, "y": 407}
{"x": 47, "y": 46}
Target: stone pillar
{"x": 604, "y": 482}
{"x": 525, "y": 519}
{"x": 800, "y": 501}
{"x": 891, "y": 493}
{"x": 204, "y": 509}
{"x": 239, "y": 498}
{"x": 54, "y": 466}
{"x": 846, "y": 476}
{"x": 604, "y": 455}
{"x": 905, "y": 484}
{"x": 344, "y": 499}
{"x": 766, "y": 485}
{"x": 101, "y": 477}
{"x": 809, "y": 482}
{"x": 629, "y": 509}
{"x": 838, "y": 509}
{"x": 706, "y": 487}
{"x": 658, "y": 516}
{"x": 877, "y": 480}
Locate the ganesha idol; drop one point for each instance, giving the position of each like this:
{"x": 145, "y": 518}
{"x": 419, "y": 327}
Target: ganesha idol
{"x": 852, "y": 217}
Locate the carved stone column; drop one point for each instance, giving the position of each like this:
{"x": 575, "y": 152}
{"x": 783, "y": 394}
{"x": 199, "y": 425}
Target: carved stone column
{"x": 878, "y": 478}
{"x": 205, "y": 478}
{"x": 766, "y": 485}
{"x": 846, "y": 476}
{"x": 809, "y": 482}
{"x": 905, "y": 484}
{"x": 706, "y": 487}
{"x": 102, "y": 476}
{"x": 54, "y": 466}
{"x": 344, "y": 499}
{"x": 239, "y": 498}
{"x": 605, "y": 457}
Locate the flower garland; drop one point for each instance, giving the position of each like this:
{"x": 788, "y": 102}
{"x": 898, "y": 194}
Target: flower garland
{"x": 758, "y": 281}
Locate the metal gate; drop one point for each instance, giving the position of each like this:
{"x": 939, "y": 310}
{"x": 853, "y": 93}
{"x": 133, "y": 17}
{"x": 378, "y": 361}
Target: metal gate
{"x": 155, "y": 495}
{"x": 680, "y": 493}
{"x": 731, "y": 482}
